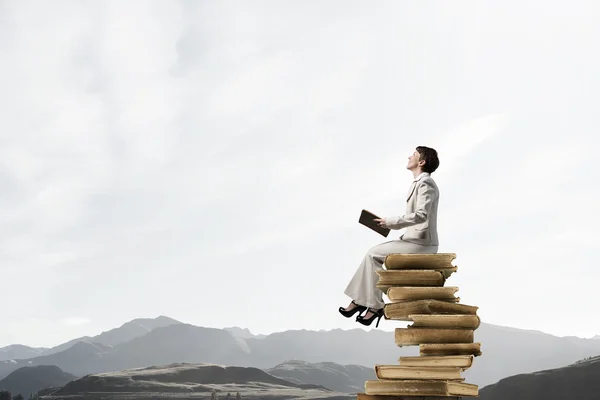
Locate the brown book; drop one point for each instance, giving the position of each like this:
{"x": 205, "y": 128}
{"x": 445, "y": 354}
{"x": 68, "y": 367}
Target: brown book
{"x": 420, "y": 388}
{"x": 367, "y": 219}
{"x": 402, "y": 311}
{"x": 445, "y": 293}
{"x": 414, "y": 277}
{"x": 427, "y": 373}
{"x": 364, "y": 396}
{"x": 462, "y": 362}
{"x": 457, "y": 321}
{"x": 449, "y": 349}
{"x": 419, "y": 261}
{"x": 447, "y": 271}
{"x": 417, "y": 336}
{"x": 388, "y": 279}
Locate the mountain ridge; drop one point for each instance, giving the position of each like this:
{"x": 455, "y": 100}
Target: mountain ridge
{"x": 125, "y": 332}
{"x": 532, "y": 350}
{"x": 13, "y": 351}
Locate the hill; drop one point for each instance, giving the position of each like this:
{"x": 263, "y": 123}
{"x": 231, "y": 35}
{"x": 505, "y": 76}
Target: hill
{"x": 29, "y": 380}
{"x": 529, "y": 351}
{"x": 191, "y": 379}
{"x": 576, "y": 381}
{"x": 340, "y": 378}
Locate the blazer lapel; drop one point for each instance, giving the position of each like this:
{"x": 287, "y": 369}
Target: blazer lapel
{"x": 412, "y": 189}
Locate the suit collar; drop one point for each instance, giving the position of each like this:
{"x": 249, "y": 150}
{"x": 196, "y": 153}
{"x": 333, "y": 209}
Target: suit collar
{"x": 421, "y": 176}
{"x": 414, "y": 184}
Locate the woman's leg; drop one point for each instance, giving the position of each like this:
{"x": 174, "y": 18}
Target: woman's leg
{"x": 362, "y": 287}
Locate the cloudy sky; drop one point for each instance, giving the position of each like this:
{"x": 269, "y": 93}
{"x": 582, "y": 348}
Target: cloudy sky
{"x": 209, "y": 160}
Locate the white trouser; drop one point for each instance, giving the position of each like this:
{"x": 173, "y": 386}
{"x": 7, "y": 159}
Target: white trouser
{"x": 362, "y": 287}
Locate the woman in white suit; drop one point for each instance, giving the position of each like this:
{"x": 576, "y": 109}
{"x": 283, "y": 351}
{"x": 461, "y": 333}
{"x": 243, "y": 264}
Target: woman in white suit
{"x": 420, "y": 236}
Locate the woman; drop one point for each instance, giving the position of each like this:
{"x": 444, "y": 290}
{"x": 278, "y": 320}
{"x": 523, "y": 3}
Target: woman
{"x": 420, "y": 236}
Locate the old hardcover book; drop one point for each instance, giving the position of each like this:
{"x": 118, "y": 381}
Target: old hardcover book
{"x": 458, "y": 321}
{"x": 427, "y": 373}
{"x": 402, "y": 311}
{"x": 419, "y": 261}
{"x": 388, "y": 279}
{"x": 364, "y": 396}
{"x": 417, "y": 336}
{"x": 414, "y": 277}
{"x": 420, "y": 388}
{"x": 462, "y": 362}
{"x": 367, "y": 219}
{"x": 444, "y": 293}
{"x": 449, "y": 349}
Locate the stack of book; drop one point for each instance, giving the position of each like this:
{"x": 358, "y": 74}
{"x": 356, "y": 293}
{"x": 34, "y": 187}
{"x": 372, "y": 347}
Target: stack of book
{"x": 442, "y": 327}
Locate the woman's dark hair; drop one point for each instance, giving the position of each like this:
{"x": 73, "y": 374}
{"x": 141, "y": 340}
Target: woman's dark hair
{"x": 431, "y": 158}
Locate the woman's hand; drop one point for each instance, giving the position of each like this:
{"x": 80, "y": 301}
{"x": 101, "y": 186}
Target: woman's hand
{"x": 381, "y": 222}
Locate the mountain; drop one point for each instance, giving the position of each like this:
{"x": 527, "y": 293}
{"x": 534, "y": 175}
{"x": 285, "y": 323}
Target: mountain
{"x": 166, "y": 345}
{"x": 576, "y": 381}
{"x": 67, "y": 345}
{"x": 510, "y": 351}
{"x": 133, "y": 329}
{"x": 340, "y": 378}
{"x": 183, "y": 343}
{"x": 126, "y": 332}
{"x": 75, "y": 360}
{"x": 326, "y": 346}
{"x": 528, "y": 351}
{"x": 243, "y": 333}
{"x": 29, "y": 380}
{"x": 181, "y": 378}
{"x": 19, "y": 351}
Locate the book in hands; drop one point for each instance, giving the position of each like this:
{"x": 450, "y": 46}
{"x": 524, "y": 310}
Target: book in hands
{"x": 367, "y": 219}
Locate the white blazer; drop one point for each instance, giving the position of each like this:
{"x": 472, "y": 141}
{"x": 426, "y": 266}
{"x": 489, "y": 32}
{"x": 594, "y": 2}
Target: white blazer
{"x": 420, "y": 219}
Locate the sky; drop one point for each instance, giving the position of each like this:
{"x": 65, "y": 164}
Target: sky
{"x": 209, "y": 160}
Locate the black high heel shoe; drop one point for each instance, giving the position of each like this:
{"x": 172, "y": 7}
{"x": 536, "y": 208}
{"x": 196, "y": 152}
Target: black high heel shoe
{"x": 367, "y": 321}
{"x": 349, "y": 313}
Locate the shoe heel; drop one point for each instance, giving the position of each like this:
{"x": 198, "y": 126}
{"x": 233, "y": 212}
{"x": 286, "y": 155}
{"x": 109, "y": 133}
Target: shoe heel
{"x": 367, "y": 321}
{"x": 358, "y": 309}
